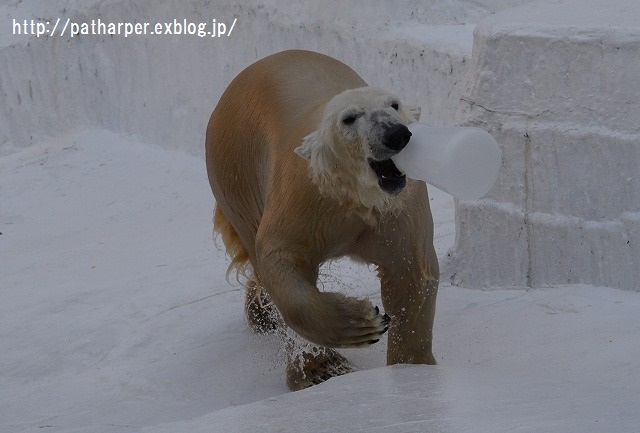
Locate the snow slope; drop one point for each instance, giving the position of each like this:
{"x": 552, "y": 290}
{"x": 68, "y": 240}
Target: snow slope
{"x": 420, "y": 399}
{"x": 116, "y": 316}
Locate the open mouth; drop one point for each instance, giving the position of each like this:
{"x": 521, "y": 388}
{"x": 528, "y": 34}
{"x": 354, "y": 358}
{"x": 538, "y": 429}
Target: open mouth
{"x": 390, "y": 179}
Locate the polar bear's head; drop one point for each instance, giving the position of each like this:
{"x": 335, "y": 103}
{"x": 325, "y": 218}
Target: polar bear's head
{"x": 349, "y": 154}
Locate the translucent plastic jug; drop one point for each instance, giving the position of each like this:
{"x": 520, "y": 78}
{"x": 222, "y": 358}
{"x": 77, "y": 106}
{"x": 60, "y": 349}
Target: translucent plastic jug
{"x": 461, "y": 161}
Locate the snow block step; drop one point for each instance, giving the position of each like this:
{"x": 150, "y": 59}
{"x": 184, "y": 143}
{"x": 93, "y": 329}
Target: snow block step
{"x": 556, "y": 83}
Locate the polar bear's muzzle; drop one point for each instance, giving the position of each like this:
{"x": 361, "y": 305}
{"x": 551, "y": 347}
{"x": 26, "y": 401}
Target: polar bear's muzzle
{"x": 394, "y": 139}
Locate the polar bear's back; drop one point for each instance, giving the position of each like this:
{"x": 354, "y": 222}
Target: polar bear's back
{"x": 298, "y": 81}
{"x": 262, "y": 116}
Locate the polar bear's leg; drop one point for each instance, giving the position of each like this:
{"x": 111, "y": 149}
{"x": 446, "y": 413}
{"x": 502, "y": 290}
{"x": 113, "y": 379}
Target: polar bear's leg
{"x": 412, "y": 306}
{"x": 261, "y": 314}
{"x": 307, "y": 364}
{"x": 402, "y": 248}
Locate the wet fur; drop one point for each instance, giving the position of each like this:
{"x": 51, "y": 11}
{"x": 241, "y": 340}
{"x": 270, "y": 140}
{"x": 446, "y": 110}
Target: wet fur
{"x": 293, "y": 189}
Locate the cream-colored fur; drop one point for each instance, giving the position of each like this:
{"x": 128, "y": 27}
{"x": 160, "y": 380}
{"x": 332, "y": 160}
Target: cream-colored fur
{"x": 338, "y": 153}
{"x": 288, "y": 149}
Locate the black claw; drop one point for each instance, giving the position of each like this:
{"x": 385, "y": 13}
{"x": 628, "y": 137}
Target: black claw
{"x": 377, "y": 310}
{"x": 386, "y": 319}
{"x": 386, "y": 328}
{"x": 373, "y": 341}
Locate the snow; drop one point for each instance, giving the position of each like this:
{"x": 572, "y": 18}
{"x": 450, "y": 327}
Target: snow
{"x": 555, "y": 82}
{"x": 116, "y": 315}
{"x": 418, "y": 399}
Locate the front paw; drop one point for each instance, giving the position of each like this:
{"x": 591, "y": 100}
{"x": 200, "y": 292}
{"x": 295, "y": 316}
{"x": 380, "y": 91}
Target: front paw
{"x": 385, "y": 320}
{"x": 340, "y": 321}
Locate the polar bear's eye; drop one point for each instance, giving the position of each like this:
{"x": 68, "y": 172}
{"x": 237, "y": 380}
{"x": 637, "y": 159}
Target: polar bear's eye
{"x": 349, "y": 119}
{"x": 395, "y": 106}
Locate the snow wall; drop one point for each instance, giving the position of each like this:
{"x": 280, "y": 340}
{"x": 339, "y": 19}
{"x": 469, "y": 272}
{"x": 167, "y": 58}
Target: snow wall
{"x": 555, "y": 82}
{"x": 163, "y": 89}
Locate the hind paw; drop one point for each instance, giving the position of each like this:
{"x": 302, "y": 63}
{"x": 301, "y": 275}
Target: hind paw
{"x": 312, "y": 368}
{"x": 262, "y": 316}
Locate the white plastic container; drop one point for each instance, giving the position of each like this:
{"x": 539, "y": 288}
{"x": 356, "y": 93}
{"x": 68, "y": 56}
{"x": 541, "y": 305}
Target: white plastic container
{"x": 461, "y": 161}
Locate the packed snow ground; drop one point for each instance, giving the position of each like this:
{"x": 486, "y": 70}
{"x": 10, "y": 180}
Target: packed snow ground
{"x": 116, "y": 317}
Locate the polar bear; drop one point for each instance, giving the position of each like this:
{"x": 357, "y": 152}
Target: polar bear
{"x": 298, "y": 157}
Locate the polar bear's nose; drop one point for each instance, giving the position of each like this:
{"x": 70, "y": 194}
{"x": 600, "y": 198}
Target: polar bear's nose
{"x": 396, "y": 137}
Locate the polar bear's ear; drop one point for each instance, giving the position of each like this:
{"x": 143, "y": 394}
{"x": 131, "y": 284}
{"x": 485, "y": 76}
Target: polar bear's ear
{"x": 305, "y": 150}
{"x": 413, "y": 112}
